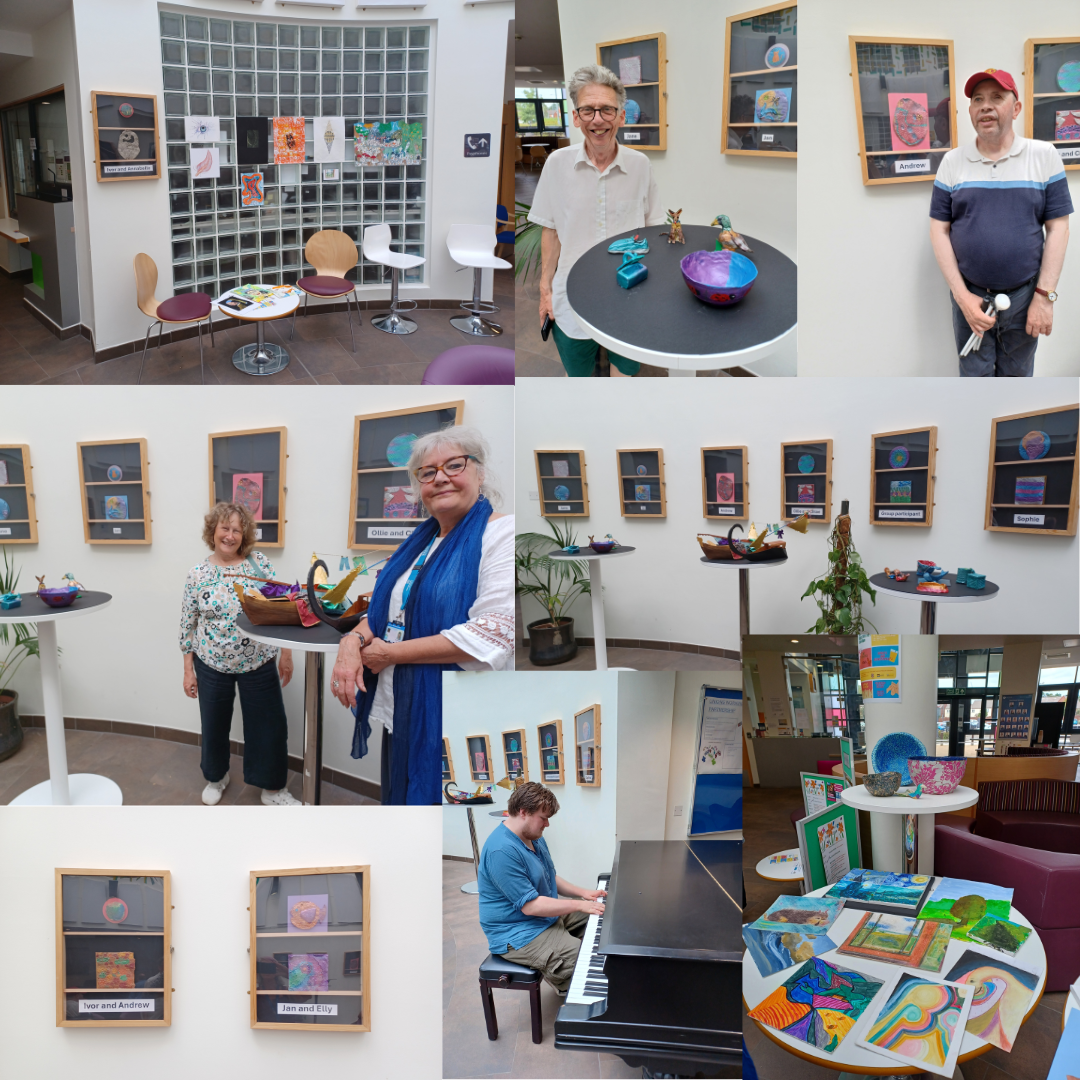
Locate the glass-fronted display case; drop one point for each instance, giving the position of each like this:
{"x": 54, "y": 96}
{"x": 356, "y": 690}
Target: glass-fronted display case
{"x": 1052, "y": 94}
{"x": 641, "y": 483}
{"x": 587, "y": 746}
{"x": 806, "y": 479}
{"x": 561, "y": 481}
{"x": 902, "y": 477}
{"x": 478, "y": 748}
{"x": 515, "y": 756}
{"x": 18, "y": 517}
{"x": 248, "y": 468}
{"x": 641, "y": 64}
{"x": 114, "y": 477}
{"x": 725, "y": 483}
{"x": 549, "y": 736}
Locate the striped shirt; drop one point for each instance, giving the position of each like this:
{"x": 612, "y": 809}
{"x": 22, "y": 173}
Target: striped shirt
{"x": 997, "y": 209}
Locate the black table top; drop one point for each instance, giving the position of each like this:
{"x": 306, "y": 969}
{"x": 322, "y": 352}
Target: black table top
{"x": 292, "y": 635}
{"x": 587, "y": 552}
{"x": 663, "y": 315}
{"x": 956, "y": 592}
{"x": 33, "y": 608}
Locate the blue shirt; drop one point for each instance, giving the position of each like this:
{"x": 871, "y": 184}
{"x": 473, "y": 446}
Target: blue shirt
{"x": 511, "y": 875}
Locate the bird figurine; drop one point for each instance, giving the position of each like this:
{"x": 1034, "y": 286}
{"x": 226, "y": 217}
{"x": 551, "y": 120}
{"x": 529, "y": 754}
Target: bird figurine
{"x": 675, "y": 236}
{"x": 912, "y": 794}
{"x": 729, "y": 239}
{"x": 800, "y": 525}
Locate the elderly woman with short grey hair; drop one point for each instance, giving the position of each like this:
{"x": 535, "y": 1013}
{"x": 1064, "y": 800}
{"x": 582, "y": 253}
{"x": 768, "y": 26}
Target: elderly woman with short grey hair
{"x": 443, "y": 602}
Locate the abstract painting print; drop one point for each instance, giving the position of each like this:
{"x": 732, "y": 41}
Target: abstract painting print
{"x": 397, "y": 504}
{"x": 1067, "y": 126}
{"x": 288, "y": 140}
{"x": 309, "y": 971}
{"x": 329, "y": 138}
{"x": 1002, "y": 996}
{"x": 116, "y": 507}
{"x": 205, "y": 163}
{"x": 1030, "y": 490}
{"x": 251, "y": 189}
{"x": 806, "y": 493}
{"x": 114, "y": 970}
{"x": 642, "y": 492}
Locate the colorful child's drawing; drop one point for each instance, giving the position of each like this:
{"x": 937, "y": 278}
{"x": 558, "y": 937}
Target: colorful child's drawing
{"x": 308, "y": 912}
{"x": 288, "y": 140}
{"x": 806, "y": 493}
{"x": 807, "y": 914}
{"x": 114, "y": 910}
{"x": 899, "y": 491}
{"x": 398, "y": 504}
{"x": 725, "y": 487}
{"x": 963, "y": 903}
{"x": 898, "y": 457}
{"x": 394, "y": 143}
{"x": 247, "y": 491}
{"x": 1001, "y": 934}
{"x": 309, "y": 971}
{"x": 642, "y": 492}
{"x": 115, "y": 970}
{"x": 1002, "y": 996}
{"x": 399, "y": 448}
{"x": 1030, "y": 490}
{"x": 251, "y": 189}
{"x": 1067, "y": 126}
{"x": 116, "y": 507}
{"x": 909, "y": 122}
{"x": 772, "y": 106}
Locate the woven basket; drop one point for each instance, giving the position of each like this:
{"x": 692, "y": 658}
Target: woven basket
{"x": 717, "y": 551}
{"x": 263, "y": 612}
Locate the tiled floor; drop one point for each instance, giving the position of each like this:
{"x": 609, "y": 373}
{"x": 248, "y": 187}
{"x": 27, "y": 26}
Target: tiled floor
{"x": 638, "y": 659}
{"x": 320, "y": 352}
{"x": 149, "y": 771}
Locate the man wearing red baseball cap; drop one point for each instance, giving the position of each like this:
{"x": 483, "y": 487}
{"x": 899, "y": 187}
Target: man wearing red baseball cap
{"x": 1000, "y": 224}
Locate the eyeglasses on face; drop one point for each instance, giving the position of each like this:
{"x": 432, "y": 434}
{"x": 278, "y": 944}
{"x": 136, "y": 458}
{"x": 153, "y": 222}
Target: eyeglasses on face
{"x": 451, "y": 467}
{"x": 587, "y": 112}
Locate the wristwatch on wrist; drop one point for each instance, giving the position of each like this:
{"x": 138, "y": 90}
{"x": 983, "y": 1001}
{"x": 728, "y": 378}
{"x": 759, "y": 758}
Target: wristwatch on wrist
{"x": 1051, "y": 296}
{"x": 357, "y": 634}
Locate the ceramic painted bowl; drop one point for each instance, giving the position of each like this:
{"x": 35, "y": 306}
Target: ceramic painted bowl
{"x": 602, "y": 547}
{"x": 891, "y": 753}
{"x": 720, "y": 278}
{"x": 938, "y": 775}
{"x": 931, "y": 573}
{"x": 883, "y": 784}
{"x": 57, "y": 598}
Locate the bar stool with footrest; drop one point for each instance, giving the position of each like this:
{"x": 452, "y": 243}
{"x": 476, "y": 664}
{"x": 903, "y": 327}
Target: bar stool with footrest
{"x": 499, "y": 974}
{"x": 333, "y": 255}
{"x": 472, "y": 245}
{"x": 185, "y": 308}
{"x": 377, "y": 250}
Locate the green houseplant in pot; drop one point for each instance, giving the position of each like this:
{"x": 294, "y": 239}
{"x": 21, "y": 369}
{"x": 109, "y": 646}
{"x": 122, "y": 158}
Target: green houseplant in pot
{"x": 17, "y": 642}
{"x": 554, "y": 583}
{"x": 838, "y": 592}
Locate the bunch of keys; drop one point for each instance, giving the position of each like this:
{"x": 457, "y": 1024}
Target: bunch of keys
{"x": 1000, "y": 303}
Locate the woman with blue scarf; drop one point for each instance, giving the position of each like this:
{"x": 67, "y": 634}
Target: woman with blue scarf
{"x": 443, "y": 602}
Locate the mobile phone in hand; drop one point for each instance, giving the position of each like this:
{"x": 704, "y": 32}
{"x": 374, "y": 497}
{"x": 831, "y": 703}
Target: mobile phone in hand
{"x": 549, "y": 322}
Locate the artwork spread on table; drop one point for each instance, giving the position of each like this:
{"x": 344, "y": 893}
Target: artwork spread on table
{"x": 309, "y": 971}
{"x": 116, "y": 507}
{"x": 630, "y": 70}
{"x": 1034, "y": 445}
{"x": 251, "y": 189}
{"x": 909, "y": 122}
{"x": 288, "y": 140}
{"x": 892, "y": 939}
{"x": 399, "y": 448}
{"x": 833, "y": 842}
{"x": 899, "y": 491}
{"x": 1067, "y": 126}
{"x": 775, "y": 950}
{"x": 963, "y": 903}
{"x": 114, "y": 970}
{"x": 806, "y": 914}
{"x": 329, "y": 138}
{"x": 1002, "y": 996}
{"x": 1002, "y": 934}
{"x": 1064, "y": 1066}
{"x": 202, "y": 129}
{"x": 397, "y": 503}
{"x": 806, "y": 493}
{"x": 1030, "y": 490}
{"x": 642, "y": 492}
{"x": 819, "y": 1004}
{"x": 307, "y": 912}
{"x": 560, "y": 468}
{"x": 898, "y": 457}
{"x": 879, "y": 890}
{"x": 394, "y": 143}
{"x": 114, "y": 910}
{"x": 772, "y": 106}
{"x": 725, "y": 487}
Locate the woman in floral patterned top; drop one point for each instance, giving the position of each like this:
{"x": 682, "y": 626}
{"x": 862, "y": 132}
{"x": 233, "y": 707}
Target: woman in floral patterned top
{"x": 219, "y": 660}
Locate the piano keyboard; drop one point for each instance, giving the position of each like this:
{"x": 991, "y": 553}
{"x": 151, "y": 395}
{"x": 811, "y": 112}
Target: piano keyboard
{"x": 589, "y": 983}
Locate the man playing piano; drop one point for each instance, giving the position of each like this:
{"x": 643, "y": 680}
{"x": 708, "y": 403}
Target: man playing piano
{"x": 530, "y": 915}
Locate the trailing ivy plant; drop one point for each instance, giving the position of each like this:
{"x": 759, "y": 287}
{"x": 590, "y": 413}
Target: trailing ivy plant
{"x": 838, "y": 593}
{"x": 555, "y": 583}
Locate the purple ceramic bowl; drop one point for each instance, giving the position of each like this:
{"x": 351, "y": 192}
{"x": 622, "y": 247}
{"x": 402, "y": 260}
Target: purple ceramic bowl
{"x": 938, "y": 775}
{"x": 602, "y": 547}
{"x": 720, "y": 278}
{"x": 57, "y": 598}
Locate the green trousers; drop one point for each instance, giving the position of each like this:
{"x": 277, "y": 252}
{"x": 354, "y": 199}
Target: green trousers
{"x": 553, "y": 952}
{"x": 578, "y": 356}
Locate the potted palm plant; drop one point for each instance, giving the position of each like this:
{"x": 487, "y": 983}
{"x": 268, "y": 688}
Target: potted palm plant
{"x": 18, "y": 642}
{"x": 556, "y": 584}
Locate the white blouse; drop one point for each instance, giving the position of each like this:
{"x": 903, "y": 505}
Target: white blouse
{"x": 488, "y": 635}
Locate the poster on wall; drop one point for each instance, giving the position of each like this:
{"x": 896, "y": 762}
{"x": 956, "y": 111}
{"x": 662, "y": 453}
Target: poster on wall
{"x": 202, "y": 129}
{"x": 1014, "y": 722}
{"x": 847, "y": 759}
{"x": 717, "y": 797}
{"x": 909, "y": 122}
{"x": 879, "y": 666}
{"x": 251, "y": 189}
{"x": 288, "y": 140}
{"x": 394, "y": 143}
{"x": 329, "y": 138}
{"x": 205, "y": 163}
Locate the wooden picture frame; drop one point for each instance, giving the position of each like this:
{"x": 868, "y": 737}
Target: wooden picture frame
{"x": 104, "y": 529}
{"x": 370, "y": 444}
{"x": 548, "y": 775}
{"x": 447, "y": 763}
{"x": 759, "y": 74}
{"x": 886, "y": 511}
{"x": 628, "y": 463}
{"x": 1062, "y": 422}
{"x": 15, "y": 458}
{"x": 725, "y": 460}
{"x": 349, "y": 940}
{"x": 791, "y": 453}
{"x": 479, "y": 744}
{"x": 220, "y": 492}
{"x": 587, "y": 765}
{"x": 906, "y": 167}
{"x": 510, "y": 755}
{"x": 607, "y": 55}
{"x": 120, "y": 167}
{"x": 547, "y": 483}
{"x": 87, "y": 899}
{"x": 1034, "y": 97}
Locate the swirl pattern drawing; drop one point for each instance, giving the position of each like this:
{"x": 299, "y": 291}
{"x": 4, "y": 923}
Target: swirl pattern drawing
{"x": 918, "y": 1021}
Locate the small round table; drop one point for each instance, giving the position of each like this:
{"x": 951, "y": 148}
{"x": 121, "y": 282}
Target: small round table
{"x": 744, "y": 569}
{"x": 81, "y": 789}
{"x": 263, "y": 357}
{"x": 596, "y": 593}
{"x": 314, "y": 642}
{"x": 789, "y": 870}
{"x": 910, "y": 809}
{"x": 957, "y": 594}
{"x": 661, "y": 322}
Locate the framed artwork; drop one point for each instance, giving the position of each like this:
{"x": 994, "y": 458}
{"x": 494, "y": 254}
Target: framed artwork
{"x": 113, "y": 948}
{"x": 761, "y": 59}
{"x": 514, "y": 754}
{"x": 479, "y": 755}
{"x": 114, "y": 479}
{"x": 725, "y": 483}
{"x": 1031, "y": 483}
{"x": 641, "y": 483}
{"x": 253, "y": 140}
{"x": 248, "y": 467}
{"x": 905, "y": 106}
{"x": 447, "y": 763}
{"x": 644, "y": 60}
{"x": 288, "y": 140}
{"x": 561, "y": 481}
{"x": 587, "y": 746}
{"x": 902, "y": 477}
{"x": 381, "y": 513}
{"x": 329, "y": 141}
{"x": 1052, "y": 95}
{"x": 549, "y": 738}
{"x": 829, "y": 845}
{"x": 806, "y": 480}
{"x": 309, "y": 949}
{"x": 125, "y": 136}
{"x": 18, "y": 515}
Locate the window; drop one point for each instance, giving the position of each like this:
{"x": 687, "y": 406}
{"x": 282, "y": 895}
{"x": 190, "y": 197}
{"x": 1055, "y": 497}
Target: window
{"x": 35, "y": 141}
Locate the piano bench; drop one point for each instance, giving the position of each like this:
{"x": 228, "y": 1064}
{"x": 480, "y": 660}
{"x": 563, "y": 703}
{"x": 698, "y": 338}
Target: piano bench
{"x": 499, "y": 974}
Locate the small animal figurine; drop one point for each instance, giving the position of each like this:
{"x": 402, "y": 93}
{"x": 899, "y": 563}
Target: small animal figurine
{"x": 675, "y": 236}
{"x": 895, "y": 575}
{"x": 729, "y": 239}
{"x": 912, "y": 794}
{"x": 71, "y": 583}
{"x": 632, "y": 271}
{"x": 40, "y": 582}
{"x": 636, "y": 243}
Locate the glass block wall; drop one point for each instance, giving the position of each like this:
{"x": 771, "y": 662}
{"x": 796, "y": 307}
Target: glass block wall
{"x": 228, "y": 68}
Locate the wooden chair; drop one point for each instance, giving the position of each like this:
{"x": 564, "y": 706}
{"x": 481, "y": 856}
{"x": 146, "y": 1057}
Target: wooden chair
{"x": 333, "y": 255}
{"x": 538, "y": 156}
{"x": 185, "y": 308}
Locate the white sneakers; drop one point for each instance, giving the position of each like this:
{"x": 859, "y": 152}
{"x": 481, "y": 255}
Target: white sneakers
{"x": 212, "y": 792}
{"x": 279, "y": 798}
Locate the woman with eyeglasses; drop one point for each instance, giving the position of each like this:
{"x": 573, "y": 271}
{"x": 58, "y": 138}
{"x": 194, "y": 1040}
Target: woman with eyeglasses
{"x": 443, "y": 602}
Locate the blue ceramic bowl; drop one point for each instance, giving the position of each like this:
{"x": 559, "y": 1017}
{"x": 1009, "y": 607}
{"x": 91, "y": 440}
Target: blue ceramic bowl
{"x": 891, "y": 754}
{"x": 720, "y": 278}
{"x": 57, "y": 598}
{"x": 602, "y": 547}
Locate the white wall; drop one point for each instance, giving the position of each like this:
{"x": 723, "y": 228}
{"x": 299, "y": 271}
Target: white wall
{"x": 645, "y": 703}
{"x": 879, "y": 305}
{"x": 210, "y": 856}
{"x": 664, "y": 592}
{"x": 124, "y": 663}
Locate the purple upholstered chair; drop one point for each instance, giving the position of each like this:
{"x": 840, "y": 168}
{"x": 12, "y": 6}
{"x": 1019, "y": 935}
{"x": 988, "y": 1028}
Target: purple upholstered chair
{"x": 471, "y": 365}
{"x": 333, "y": 255}
{"x": 193, "y": 307}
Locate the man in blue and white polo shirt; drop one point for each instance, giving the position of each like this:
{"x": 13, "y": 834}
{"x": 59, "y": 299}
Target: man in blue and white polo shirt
{"x": 992, "y": 200}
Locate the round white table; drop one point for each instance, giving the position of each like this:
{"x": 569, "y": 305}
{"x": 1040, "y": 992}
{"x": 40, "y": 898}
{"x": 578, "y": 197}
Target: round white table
{"x": 850, "y": 1058}
{"x": 596, "y": 593}
{"x": 788, "y": 870}
{"x": 81, "y": 789}
{"x": 744, "y": 569}
{"x": 957, "y": 594}
{"x": 261, "y": 357}
{"x": 909, "y": 810}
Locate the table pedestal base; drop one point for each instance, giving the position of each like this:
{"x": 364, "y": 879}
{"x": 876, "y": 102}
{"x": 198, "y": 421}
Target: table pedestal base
{"x": 262, "y": 357}
{"x": 744, "y": 604}
{"x": 910, "y": 840}
{"x": 311, "y": 790}
{"x": 928, "y": 617}
{"x": 596, "y": 593}
{"x": 86, "y": 789}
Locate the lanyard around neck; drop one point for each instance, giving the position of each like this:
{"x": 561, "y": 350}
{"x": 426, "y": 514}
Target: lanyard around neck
{"x": 415, "y": 572}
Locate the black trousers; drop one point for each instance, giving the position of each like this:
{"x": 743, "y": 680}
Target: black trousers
{"x": 266, "y": 732}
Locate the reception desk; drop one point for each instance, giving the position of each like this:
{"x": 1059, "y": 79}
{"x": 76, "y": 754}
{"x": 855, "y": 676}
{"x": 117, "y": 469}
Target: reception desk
{"x": 780, "y": 759}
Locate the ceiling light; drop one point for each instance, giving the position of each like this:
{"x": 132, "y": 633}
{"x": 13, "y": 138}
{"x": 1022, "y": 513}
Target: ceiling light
{"x": 794, "y": 641}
